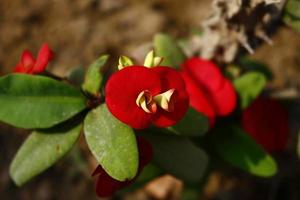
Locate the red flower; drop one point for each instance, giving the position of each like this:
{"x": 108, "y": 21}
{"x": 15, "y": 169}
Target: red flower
{"x": 30, "y": 65}
{"x": 210, "y": 92}
{"x": 267, "y": 122}
{"x": 139, "y": 96}
{"x": 106, "y": 186}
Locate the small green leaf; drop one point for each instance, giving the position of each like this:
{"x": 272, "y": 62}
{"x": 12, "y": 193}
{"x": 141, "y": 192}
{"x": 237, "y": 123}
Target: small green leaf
{"x": 236, "y": 147}
{"x": 177, "y": 155}
{"x": 93, "y": 77}
{"x": 166, "y": 47}
{"x": 29, "y": 101}
{"x": 249, "y": 64}
{"x": 193, "y": 124}
{"x": 292, "y": 21}
{"x": 112, "y": 143}
{"x": 293, "y": 8}
{"x": 291, "y": 14}
{"x": 40, "y": 151}
{"x": 249, "y": 86}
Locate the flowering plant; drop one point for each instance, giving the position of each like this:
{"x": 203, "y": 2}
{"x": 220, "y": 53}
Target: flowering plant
{"x": 172, "y": 113}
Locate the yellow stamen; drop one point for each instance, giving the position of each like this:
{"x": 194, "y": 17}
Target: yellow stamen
{"x": 146, "y": 102}
{"x": 165, "y": 101}
{"x": 157, "y": 61}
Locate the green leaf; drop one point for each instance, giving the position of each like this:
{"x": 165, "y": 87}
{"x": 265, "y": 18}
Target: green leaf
{"x": 249, "y": 86}
{"x": 292, "y": 21}
{"x": 112, "y": 143}
{"x": 177, "y": 155}
{"x": 93, "y": 78}
{"x": 37, "y": 102}
{"x": 253, "y": 65}
{"x": 40, "y": 151}
{"x": 193, "y": 124}
{"x": 291, "y": 14}
{"x": 236, "y": 147}
{"x": 292, "y": 8}
{"x": 166, "y": 47}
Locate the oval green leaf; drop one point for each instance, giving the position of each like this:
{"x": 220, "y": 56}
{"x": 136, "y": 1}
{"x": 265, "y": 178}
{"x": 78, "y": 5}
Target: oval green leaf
{"x": 249, "y": 64}
{"x": 166, "y": 47}
{"x": 194, "y": 124}
{"x": 93, "y": 77}
{"x": 236, "y": 147}
{"x": 37, "y": 102}
{"x": 112, "y": 143}
{"x": 40, "y": 151}
{"x": 177, "y": 155}
{"x": 249, "y": 86}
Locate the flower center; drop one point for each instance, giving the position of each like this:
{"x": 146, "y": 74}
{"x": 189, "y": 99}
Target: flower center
{"x": 166, "y": 100}
{"x": 148, "y": 103}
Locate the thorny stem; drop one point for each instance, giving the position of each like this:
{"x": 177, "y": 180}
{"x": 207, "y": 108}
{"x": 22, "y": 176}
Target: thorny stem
{"x": 51, "y": 75}
{"x": 94, "y": 101}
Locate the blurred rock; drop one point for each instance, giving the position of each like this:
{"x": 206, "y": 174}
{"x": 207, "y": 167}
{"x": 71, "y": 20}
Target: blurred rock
{"x": 165, "y": 187}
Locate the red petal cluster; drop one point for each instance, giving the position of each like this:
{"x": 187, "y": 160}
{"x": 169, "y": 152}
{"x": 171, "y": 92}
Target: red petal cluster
{"x": 267, "y": 122}
{"x": 123, "y": 88}
{"x": 210, "y": 92}
{"x": 106, "y": 186}
{"x": 29, "y": 65}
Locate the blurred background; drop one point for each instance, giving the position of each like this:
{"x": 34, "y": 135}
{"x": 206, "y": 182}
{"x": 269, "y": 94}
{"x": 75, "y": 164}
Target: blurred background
{"x": 79, "y": 31}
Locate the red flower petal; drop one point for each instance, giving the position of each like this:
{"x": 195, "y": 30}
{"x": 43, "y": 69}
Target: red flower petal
{"x": 19, "y": 68}
{"x": 171, "y": 79}
{"x": 98, "y": 170}
{"x": 267, "y": 122}
{"x": 210, "y": 92}
{"x": 44, "y": 56}
{"x": 199, "y": 100}
{"x": 225, "y": 99}
{"x": 107, "y": 186}
{"x": 26, "y": 64}
{"x": 122, "y": 90}
{"x": 27, "y": 60}
{"x": 204, "y": 73}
